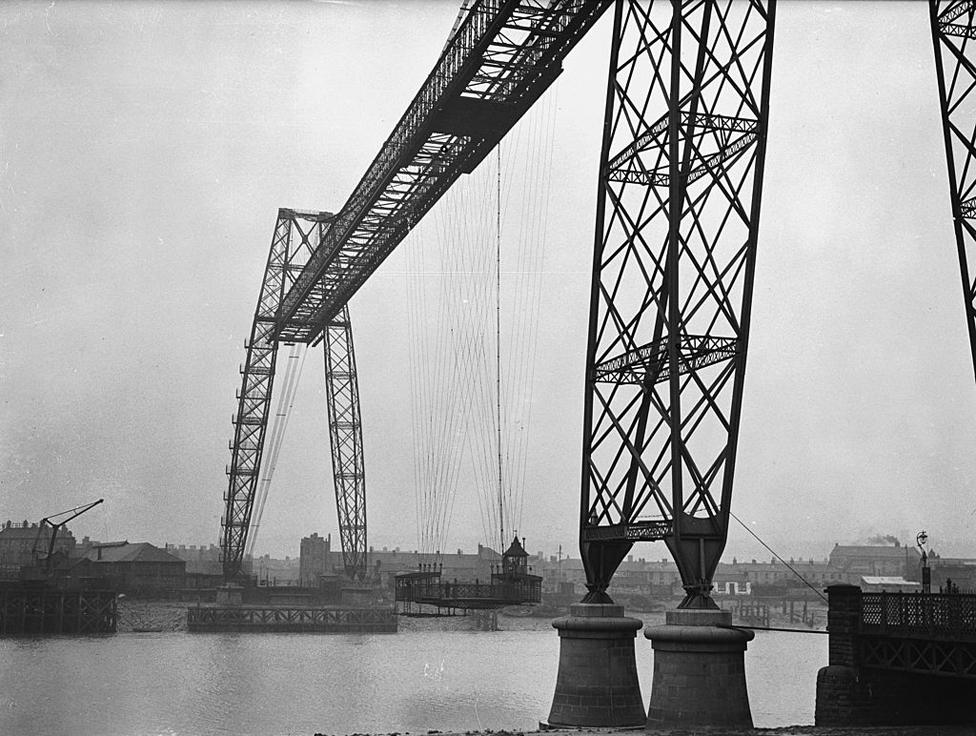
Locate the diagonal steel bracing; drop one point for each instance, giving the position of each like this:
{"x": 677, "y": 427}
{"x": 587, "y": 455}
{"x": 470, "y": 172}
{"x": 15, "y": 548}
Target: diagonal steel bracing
{"x": 294, "y": 232}
{"x": 346, "y": 436}
{"x": 678, "y": 212}
{"x": 296, "y": 236}
{"x": 953, "y": 37}
{"x": 677, "y": 221}
{"x": 502, "y": 56}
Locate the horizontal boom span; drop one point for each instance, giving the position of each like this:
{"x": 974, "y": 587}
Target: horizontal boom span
{"x": 500, "y": 60}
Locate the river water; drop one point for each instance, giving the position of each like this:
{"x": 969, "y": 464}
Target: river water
{"x": 264, "y": 684}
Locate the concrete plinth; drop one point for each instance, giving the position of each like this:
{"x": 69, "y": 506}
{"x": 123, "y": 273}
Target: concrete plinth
{"x": 699, "y": 671}
{"x": 597, "y": 683}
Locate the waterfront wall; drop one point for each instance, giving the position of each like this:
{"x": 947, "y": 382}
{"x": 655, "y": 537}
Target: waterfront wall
{"x": 851, "y": 692}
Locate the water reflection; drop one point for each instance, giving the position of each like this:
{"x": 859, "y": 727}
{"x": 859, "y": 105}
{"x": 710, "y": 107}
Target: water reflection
{"x": 177, "y": 683}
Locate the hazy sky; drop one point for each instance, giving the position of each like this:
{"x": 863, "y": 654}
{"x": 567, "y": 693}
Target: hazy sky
{"x": 146, "y": 146}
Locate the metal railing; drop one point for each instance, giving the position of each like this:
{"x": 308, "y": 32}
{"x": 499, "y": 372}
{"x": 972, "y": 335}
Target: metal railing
{"x": 429, "y": 588}
{"x": 297, "y": 618}
{"x": 951, "y": 616}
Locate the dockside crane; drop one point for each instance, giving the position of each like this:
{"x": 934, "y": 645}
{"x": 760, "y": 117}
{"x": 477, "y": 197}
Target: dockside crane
{"x": 68, "y": 515}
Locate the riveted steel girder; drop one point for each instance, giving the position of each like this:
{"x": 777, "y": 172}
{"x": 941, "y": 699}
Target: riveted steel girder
{"x": 953, "y": 37}
{"x": 677, "y": 221}
{"x": 502, "y": 56}
{"x": 346, "y": 439}
{"x": 295, "y": 233}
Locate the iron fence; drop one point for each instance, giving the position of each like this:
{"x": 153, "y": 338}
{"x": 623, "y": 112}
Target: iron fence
{"x": 932, "y": 614}
{"x": 428, "y": 587}
{"x": 235, "y": 618}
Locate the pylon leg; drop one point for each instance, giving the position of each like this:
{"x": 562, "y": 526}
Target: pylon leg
{"x": 597, "y": 683}
{"x": 699, "y": 671}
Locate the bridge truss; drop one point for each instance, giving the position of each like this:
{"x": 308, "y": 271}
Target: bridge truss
{"x": 678, "y": 213}
{"x": 953, "y": 36}
{"x": 296, "y": 235}
{"x": 677, "y": 221}
{"x": 680, "y": 186}
{"x": 501, "y": 58}
{"x": 346, "y": 440}
{"x": 502, "y": 55}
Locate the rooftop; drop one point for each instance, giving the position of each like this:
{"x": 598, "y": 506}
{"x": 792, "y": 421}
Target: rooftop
{"x": 869, "y": 550}
{"x": 889, "y": 580}
{"x": 126, "y": 552}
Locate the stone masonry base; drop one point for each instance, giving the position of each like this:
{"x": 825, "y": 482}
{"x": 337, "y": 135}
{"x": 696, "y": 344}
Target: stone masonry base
{"x": 597, "y": 682}
{"x": 847, "y": 696}
{"x": 699, "y": 671}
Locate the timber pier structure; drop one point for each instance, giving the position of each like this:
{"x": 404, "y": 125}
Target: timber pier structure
{"x": 37, "y": 611}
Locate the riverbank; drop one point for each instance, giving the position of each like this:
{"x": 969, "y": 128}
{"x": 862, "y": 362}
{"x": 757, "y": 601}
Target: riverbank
{"x": 150, "y": 616}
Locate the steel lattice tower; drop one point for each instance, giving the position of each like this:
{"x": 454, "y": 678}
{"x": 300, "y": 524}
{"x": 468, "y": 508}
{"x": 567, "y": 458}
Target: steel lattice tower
{"x": 677, "y": 221}
{"x": 678, "y": 214}
{"x": 296, "y": 236}
{"x": 500, "y": 58}
{"x": 346, "y": 437}
{"x": 953, "y": 35}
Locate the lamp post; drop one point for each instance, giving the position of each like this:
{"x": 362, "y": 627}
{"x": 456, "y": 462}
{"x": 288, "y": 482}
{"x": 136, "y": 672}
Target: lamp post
{"x": 920, "y": 540}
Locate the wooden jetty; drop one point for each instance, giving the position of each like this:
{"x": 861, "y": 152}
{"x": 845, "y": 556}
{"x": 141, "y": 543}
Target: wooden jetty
{"x": 29, "y": 611}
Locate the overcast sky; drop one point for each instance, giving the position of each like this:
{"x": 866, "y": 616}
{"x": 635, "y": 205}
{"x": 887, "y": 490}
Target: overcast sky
{"x": 146, "y": 146}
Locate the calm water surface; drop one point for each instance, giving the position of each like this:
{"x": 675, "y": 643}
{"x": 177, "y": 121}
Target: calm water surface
{"x": 265, "y": 684}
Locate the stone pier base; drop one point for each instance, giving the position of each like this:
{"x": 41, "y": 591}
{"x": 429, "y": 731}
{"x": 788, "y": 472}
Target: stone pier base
{"x": 597, "y": 683}
{"x": 851, "y": 694}
{"x": 847, "y": 696}
{"x": 699, "y": 671}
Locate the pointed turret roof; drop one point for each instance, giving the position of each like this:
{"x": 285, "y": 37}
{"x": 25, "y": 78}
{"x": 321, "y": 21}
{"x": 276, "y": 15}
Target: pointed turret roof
{"x": 515, "y": 549}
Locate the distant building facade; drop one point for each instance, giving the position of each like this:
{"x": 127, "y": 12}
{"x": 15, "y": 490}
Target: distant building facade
{"x": 960, "y": 571}
{"x": 140, "y": 569}
{"x": 202, "y": 560}
{"x": 271, "y": 571}
{"x": 313, "y": 559}
{"x": 17, "y": 544}
{"x": 856, "y": 561}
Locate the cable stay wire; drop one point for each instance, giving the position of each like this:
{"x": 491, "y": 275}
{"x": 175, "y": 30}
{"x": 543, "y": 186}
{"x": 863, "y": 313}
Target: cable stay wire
{"x": 279, "y": 422}
{"x": 788, "y": 565}
{"x": 474, "y": 334}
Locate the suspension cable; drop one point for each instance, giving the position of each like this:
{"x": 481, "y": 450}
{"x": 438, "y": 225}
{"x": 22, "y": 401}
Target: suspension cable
{"x": 286, "y": 400}
{"x": 498, "y": 338}
{"x": 472, "y": 388}
{"x": 788, "y": 565}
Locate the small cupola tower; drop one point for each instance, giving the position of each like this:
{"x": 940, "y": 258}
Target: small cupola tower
{"x": 515, "y": 560}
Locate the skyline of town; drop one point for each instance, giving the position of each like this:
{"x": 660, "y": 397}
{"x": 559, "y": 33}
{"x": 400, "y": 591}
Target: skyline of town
{"x": 898, "y": 565}
{"x": 567, "y": 551}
